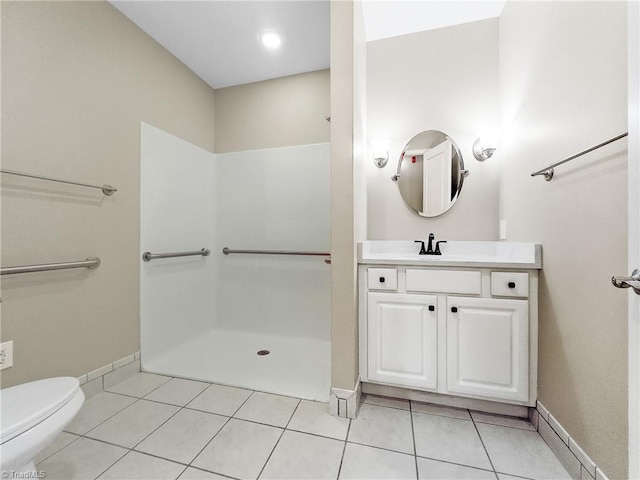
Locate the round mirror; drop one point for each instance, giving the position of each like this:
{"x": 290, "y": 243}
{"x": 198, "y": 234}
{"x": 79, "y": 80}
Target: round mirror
{"x": 430, "y": 173}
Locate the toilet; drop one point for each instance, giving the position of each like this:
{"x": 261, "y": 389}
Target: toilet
{"x": 32, "y": 415}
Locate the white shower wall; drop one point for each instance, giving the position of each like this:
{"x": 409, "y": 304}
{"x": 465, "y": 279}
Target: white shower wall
{"x": 274, "y": 199}
{"x": 205, "y": 317}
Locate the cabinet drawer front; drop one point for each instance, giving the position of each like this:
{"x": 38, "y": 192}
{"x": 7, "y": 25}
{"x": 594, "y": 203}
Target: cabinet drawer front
{"x": 444, "y": 281}
{"x": 382, "y": 279}
{"x": 510, "y": 284}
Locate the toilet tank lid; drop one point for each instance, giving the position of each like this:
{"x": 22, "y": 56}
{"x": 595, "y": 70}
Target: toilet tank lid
{"x": 23, "y": 406}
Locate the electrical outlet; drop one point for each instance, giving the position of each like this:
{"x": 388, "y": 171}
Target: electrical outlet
{"x": 503, "y": 229}
{"x": 6, "y": 355}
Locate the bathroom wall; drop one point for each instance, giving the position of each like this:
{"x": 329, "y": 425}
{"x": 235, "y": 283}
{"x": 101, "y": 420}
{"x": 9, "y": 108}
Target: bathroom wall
{"x": 563, "y": 88}
{"x": 348, "y": 209}
{"x": 444, "y": 79}
{"x": 77, "y": 80}
{"x": 273, "y": 113}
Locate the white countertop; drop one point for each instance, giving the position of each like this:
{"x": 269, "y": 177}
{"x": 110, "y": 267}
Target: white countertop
{"x": 454, "y": 254}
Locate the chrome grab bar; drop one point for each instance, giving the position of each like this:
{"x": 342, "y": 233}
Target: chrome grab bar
{"x": 148, "y": 256}
{"x": 625, "y": 282}
{"x": 227, "y": 251}
{"x": 548, "y": 171}
{"x": 91, "y": 262}
{"x": 106, "y": 189}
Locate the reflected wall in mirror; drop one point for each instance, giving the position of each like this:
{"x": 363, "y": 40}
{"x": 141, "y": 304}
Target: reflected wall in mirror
{"x": 430, "y": 173}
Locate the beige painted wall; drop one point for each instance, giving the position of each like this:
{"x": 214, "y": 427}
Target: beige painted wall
{"x": 563, "y": 88}
{"x": 348, "y": 208}
{"x": 274, "y": 113}
{"x": 444, "y": 79}
{"x": 77, "y": 79}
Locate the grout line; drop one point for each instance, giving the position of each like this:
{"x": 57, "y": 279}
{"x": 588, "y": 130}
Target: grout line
{"x": 270, "y": 454}
{"x": 119, "y": 458}
{"x": 413, "y": 436}
{"x": 448, "y": 462}
{"x": 159, "y": 426}
{"x": 62, "y": 448}
{"x": 381, "y": 448}
{"x": 209, "y": 471}
{"x": 344, "y": 449}
{"x": 104, "y": 421}
{"x": 207, "y": 444}
{"x": 483, "y": 445}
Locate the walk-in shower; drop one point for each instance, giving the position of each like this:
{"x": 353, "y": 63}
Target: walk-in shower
{"x": 213, "y": 317}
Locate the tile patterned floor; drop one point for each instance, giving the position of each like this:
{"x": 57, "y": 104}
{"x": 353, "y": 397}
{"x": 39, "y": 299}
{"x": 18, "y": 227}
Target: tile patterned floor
{"x": 155, "y": 427}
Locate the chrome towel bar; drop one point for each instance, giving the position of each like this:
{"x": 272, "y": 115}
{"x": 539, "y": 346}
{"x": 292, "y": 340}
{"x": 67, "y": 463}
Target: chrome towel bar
{"x": 91, "y": 262}
{"x": 548, "y": 171}
{"x": 106, "y": 189}
{"x": 148, "y": 256}
{"x": 227, "y": 251}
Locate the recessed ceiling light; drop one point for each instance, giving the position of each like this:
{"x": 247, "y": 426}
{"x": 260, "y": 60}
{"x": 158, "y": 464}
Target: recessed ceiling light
{"x": 271, "y": 40}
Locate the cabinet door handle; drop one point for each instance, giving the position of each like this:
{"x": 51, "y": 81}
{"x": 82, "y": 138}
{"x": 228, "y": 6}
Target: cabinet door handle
{"x": 381, "y": 279}
{"x": 454, "y": 309}
{"x": 432, "y": 308}
{"x": 511, "y": 284}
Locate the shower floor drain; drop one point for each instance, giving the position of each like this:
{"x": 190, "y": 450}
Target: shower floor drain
{"x": 263, "y": 352}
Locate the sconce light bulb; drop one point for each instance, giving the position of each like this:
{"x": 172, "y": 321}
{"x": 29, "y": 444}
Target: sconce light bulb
{"x": 485, "y": 145}
{"x": 380, "y": 152}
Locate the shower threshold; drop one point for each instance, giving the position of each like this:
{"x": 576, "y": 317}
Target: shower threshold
{"x": 295, "y": 366}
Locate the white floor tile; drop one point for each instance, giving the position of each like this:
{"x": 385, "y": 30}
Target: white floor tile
{"x": 383, "y": 427}
{"x": 519, "y": 452}
{"x": 133, "y": 424}
{"x": 183, "y": 436}
{"x": 139, "y": 385}
{"x": 314, "y": 417}
{"x": 59, "y": 443}
{"x": 195, "y": 474}
{"x": 266, "y": 408}
{"x": 302, "y": 456}
{"x": 220, "y": 399}
{"x": 137, "y": 466}
{"x": 81, "y": 459}
{"x": 441, "y": 410}
{"x": 436, "y": 470}
{"x": 96, "y": 410}
{"x": 512, "y": 422}
{"x": 177, "y": 391}
{"x": 449, "y": 439}
{"x": 239, "y": 450}
{"x": 363, "y": 463}
{"x": 385, "y": 401}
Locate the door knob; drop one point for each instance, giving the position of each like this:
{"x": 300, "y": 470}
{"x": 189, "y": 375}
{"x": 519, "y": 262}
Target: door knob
{"x": 628, "y": 282}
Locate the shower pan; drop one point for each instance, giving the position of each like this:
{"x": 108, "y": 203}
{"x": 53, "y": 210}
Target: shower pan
{"x": 251, "y": 320}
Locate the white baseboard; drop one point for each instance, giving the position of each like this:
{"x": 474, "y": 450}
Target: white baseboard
{"x": 571, "y": 455}
{"x": 344, "y": 403}
{"x": 108, "y": 375}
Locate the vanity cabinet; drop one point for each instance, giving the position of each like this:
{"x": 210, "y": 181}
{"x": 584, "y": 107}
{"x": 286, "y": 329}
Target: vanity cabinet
{"x": 466, "y": 332}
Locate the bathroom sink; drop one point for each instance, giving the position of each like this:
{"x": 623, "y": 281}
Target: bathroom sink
{"x": 472, "y": 254}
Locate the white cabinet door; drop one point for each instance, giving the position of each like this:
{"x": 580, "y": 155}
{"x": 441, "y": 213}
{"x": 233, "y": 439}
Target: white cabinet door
{"x": 403, "y": 339}
{"x": 487, "y": 347}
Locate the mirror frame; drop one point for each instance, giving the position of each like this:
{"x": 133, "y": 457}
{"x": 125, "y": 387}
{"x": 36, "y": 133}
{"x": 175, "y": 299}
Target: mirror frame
{"x": 440, "y": 137}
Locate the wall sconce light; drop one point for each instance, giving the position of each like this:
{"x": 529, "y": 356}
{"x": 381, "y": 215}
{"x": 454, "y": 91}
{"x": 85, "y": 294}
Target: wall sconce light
{"x": 486, "y": 144}
{"x": 380, "y": 152}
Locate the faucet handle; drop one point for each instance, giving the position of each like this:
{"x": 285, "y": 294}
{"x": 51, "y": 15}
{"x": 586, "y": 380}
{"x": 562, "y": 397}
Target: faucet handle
{"x": 438, "y": 252}
{"x": 422, "y": 250}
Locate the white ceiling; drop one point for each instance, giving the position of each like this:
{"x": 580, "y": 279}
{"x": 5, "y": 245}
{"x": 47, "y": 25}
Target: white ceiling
{"x": 384, "y": 19}
{"x": 219, "y": 39}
